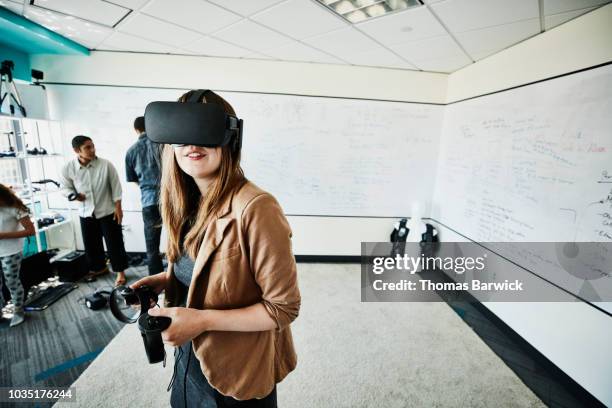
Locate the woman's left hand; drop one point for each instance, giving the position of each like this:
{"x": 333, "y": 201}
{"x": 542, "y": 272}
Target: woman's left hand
{"x": 186, "y": 324}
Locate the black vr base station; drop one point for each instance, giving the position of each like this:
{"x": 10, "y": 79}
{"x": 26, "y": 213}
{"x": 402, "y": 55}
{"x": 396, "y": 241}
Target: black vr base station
{"x": 179, "y": 124}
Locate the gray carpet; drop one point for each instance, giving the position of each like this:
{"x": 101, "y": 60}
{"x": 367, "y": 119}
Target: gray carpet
{"x": 351, "y": 354}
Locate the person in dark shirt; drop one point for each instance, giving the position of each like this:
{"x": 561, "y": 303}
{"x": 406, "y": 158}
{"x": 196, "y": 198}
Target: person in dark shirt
{"x": 143, "y": 166}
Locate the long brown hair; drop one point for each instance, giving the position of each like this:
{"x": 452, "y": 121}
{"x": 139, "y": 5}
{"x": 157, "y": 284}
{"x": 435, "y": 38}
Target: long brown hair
{"x": 9, "y": 199}
{"x": 183, "y": 207}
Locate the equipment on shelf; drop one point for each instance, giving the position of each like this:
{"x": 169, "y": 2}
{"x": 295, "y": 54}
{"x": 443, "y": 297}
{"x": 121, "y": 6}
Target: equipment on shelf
{"x": 11, "y": 94}
{"x": 49, "y": 218}
{"x": 36, "y": 151}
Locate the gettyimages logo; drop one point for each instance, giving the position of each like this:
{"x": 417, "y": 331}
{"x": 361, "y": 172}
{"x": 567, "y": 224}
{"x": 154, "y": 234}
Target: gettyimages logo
{"x": 502, "y": 272}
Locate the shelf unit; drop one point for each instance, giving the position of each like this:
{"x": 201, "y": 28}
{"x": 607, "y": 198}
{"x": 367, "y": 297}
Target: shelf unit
{"x": 17, "y": 135}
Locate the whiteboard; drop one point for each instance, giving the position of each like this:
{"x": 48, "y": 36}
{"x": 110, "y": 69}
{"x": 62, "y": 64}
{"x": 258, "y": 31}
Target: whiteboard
{"x": 530, "y": 164}
{"x": 534, "y": 164}
{"x": 318, "y": 156}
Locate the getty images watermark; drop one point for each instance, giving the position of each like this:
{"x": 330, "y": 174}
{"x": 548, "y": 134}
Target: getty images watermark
{"x": 496, "y": 272}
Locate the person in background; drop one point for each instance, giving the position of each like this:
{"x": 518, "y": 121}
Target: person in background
{"x": 94, "y": 182}
{"x": 15, "y": 225}
{"x": 143, "y": 167}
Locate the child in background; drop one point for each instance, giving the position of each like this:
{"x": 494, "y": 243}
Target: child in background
{"x": 15, "y": 224}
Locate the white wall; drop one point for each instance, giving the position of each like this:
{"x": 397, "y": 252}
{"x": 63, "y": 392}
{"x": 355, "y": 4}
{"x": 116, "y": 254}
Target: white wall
{"x": 312, "y": 235}
{"x": 574, "y": 336}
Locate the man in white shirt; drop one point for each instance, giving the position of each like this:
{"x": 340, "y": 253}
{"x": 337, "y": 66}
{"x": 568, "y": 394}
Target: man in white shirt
{"x": 95, "y": 183}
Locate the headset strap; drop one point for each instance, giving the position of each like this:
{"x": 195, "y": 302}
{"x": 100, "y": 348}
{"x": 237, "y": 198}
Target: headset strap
{"x": 197, "y": 95}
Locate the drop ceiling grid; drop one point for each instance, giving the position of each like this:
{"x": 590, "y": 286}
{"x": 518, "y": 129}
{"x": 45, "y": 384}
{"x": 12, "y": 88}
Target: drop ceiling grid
{"x": 305, "y": 30}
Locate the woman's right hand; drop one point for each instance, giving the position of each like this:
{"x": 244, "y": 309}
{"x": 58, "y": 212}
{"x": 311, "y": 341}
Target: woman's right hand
{"x": 156, "y": 282}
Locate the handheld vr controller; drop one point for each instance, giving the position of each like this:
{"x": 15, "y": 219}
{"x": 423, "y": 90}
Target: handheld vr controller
{"x": 131, "y": 305}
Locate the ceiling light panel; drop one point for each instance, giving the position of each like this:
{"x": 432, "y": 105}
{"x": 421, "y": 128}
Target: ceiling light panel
{"x": 197, "y": 15}
{"x": 97, "y": 11}
{"x": 356, "y": 11}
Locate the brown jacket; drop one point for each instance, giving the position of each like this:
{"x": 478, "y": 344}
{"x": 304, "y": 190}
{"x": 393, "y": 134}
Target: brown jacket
{"x": 245, "y": 258}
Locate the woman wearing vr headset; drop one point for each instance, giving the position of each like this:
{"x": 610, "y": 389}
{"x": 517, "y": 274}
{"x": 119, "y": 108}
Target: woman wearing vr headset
{"x": 231, "y": 284}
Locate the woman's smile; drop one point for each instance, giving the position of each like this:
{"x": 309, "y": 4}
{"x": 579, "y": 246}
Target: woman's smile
{"x": 195, "y": 155}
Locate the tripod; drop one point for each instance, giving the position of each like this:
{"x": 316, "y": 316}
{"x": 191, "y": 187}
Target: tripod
{"x": 11, "y": 93}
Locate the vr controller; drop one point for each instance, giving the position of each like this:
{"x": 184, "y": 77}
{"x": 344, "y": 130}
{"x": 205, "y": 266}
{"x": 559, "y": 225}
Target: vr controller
{"x": 193, "y": 123}
{"x": 131, "y": 305}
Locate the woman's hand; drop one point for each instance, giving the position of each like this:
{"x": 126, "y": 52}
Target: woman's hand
{"x": 186, "y": 324}
{"x": 157, "y": 282}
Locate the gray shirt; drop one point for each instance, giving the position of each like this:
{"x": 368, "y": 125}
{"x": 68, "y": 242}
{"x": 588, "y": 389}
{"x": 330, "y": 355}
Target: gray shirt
{"x": 98, "y": 180}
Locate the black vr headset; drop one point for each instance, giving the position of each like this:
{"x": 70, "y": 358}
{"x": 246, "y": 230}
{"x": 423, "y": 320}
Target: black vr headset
{"x": 192, "y": 123}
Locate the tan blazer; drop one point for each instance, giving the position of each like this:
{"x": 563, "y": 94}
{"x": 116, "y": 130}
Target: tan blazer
{"x": 245, "y": 258}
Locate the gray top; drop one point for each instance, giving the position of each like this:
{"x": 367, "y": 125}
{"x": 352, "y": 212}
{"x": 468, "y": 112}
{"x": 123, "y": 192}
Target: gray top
{"x": 183, "y": 269}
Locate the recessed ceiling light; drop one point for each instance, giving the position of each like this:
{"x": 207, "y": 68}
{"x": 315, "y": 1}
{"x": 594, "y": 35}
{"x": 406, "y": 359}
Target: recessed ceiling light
{"x": 356, "y": 11}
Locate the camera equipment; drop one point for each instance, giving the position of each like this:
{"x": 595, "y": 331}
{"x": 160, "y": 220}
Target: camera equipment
{"x": 131, "y": 305}
{"x": 6, "y": 80}
{"x": 192, "y": 123}
{"x": 38, "y": 76}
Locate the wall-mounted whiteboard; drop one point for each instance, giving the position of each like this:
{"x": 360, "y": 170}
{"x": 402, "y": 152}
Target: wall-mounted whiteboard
{"x": 530, "y": 164}
{"x": 318, "y": 156}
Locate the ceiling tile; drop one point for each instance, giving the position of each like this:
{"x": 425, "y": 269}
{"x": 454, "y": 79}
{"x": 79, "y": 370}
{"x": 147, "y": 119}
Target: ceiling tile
{"x": 445, "y": 64}
{"x": 300, "y": 19}
{"x": 561, "y": 6}
{"x": 493, "y": 39}
{"x": 554, "y": 20}
{"x": 85, "y": 33}
{"x": 245, "y": 7}
{"x": 344, "y": 41}
{"x": 197, "y": 15}
{"x": 430, "y": 48}
{"x": 295, "y": 51}
{"x": 98, "y": 11}
{"x": 256, "y": 55}
{"x": 159, "y": 31}
{"x": 379, "y": 57}
{"x": 131, "y": 4}
{"x": 125, "y": 42}
{"x": 464, "y": 15}
{"x": 213, "y": 47}
{"x": 12, "y": 5}
{"x": 251, "y": 35}
{"x": 409, "y": 25}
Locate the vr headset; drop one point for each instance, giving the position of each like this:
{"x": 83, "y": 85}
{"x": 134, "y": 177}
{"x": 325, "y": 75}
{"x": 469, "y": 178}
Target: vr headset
{"x": 192, "y": 123}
